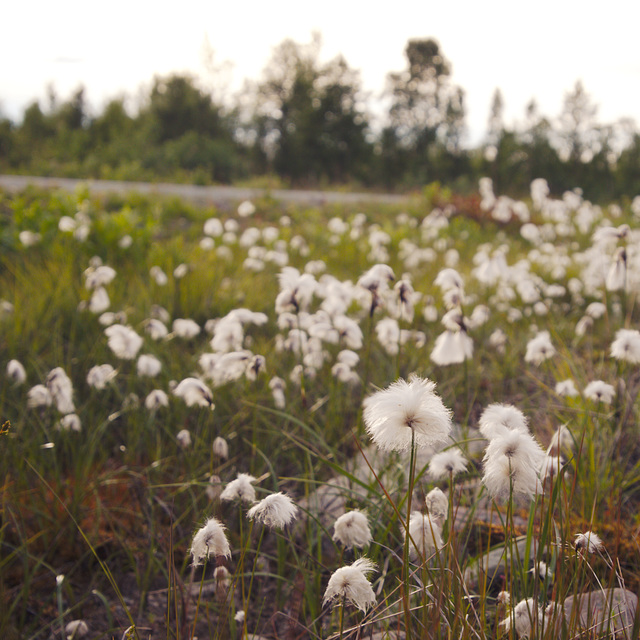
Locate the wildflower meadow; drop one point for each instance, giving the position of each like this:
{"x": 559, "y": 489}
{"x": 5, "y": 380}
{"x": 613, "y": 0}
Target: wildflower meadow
{"x": 267, "y": 421}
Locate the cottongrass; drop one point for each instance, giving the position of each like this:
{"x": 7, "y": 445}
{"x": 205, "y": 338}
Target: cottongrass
{"x": 407, "y": 410}
{"x": 539, "y": 349}
{"x": 276, "y": 511}
{"x": 76, "y": 629}
{"x": 437, "y": 505}
{"x": 452, "y": 347}
{"x": 16, "y": 372}
{"x": 512, "y": 463}
{"x": 600, "y": 391}
{"x": 220, "y": 448}
{"x": 183, "y": 438}
{"x": 589, "y": 542}
{"x": 194, "y": 392}
{"x": 350, "y": 584}
{"x": 39, "y": 396}
{"x": 525, "y": 617}
{"x": 352, "y": 529}
{"x": 100, "y": 375}
{"x": 240, "y": 489}
{"x": 626, "y": 346}
{"x": 209, "y": 540}
{"x": 123, "y": 341}
{"x": 499, "y": 419}
{"x": 156, "y": 399}
{"x": 566, "y": 388}
{"x": 318, "y": 336}
{"x": 425, "y": 536}
{"x": 447, "y": 464}
{"x": 70, "y": 422}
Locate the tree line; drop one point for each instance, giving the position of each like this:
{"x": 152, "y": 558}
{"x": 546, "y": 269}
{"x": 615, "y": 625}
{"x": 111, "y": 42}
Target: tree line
{"x": 306, "y": 123}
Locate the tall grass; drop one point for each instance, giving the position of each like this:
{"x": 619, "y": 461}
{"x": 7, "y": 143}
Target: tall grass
{"x": 114, "y": 507}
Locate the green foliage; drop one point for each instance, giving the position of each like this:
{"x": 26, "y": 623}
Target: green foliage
{"x": 133, "y": 496}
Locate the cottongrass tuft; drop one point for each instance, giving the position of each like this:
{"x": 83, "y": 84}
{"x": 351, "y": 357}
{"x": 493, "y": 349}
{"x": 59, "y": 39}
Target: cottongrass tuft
{"x": 185, "y": 328}
{"x": 194, "y": 392}
{"x": 539, "y": 349}
{"x": 156, "y": 329}
{"x": 523, "y": 618}
{"x": 452, "y": 347}
{"x": 148, "y": 366}
{"x": 600, "y": 391}
{"x": 70, "y": 422}
{"x": 222, "y": 579}
{"x": 39, "y": 396}
{"x": 425, "y": 535}
{"x": 589, "y": 541}
{"x": 551, "y": 466}
{"x": 446, "y": 463}
{"x": 566, "y": 388}
{"x": 183, "y": 438}
{"x": 391, "y": 415}
{"x": 350, "y": 584}
{"x": 100, "y": 375}
{"x": 512, "y": 463}
{"x": 275, "y": 511}
{"x": 240, "y": 489}
{"x": 220, "y": 448}
{"x": 561, "y": 439}
{"x": 626, "y": 346}
{"x": 351, "y": 529}
{"x": 208, "y": 541}
{"x": 437, "y": 504}
{"x": 61, "y": 389}
{"x": 156, "y": 399}
{"x": 16, "y": 372}
{"x": 499, "y": 419}
{"x": 123, "y": 341}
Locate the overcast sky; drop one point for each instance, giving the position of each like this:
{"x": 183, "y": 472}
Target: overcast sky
{"x": 527, "y": 49}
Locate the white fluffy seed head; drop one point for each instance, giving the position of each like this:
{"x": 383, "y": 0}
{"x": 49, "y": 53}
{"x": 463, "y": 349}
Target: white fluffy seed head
{"x": 351, "y": 529}
{"x": 391, "y": 415}
{"x": 539, "y": 349}
{"x": 437, "y": 505}
{"x": 156, "y": 399}
{"x": 208, "y": 541}
{"x": 512, "y": 462}
{"x": 220, "y": 448}
{"x": 426, "y": 536}
{"x": 76, "y": 629}
{"x": 589, "y": 541}
{"x": 626, "y": 346}
{"x": 123, "y": 341}
{"x": 523, "y": 618}
{"x": 16, "y": 372}
{"x": 600, "y": 391}
{"x": 240, "y": 489}
{"x": 499, "y": 419}
{"x": 350, "y": 584}
{"x": 194, "y": 392}
{"x": 275, "y": 511}
{"x": 183, "y": 438}
{"x": 447, "y": 463}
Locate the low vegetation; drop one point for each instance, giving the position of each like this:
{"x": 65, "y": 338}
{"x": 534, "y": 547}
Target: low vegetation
{"x": 279, "y": 422}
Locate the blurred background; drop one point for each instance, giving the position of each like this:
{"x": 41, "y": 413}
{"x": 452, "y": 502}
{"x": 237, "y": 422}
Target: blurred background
{"x": 388, "y": 99}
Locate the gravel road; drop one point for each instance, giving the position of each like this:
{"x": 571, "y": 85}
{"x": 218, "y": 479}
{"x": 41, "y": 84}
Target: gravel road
{"x": 198, "y": 194}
